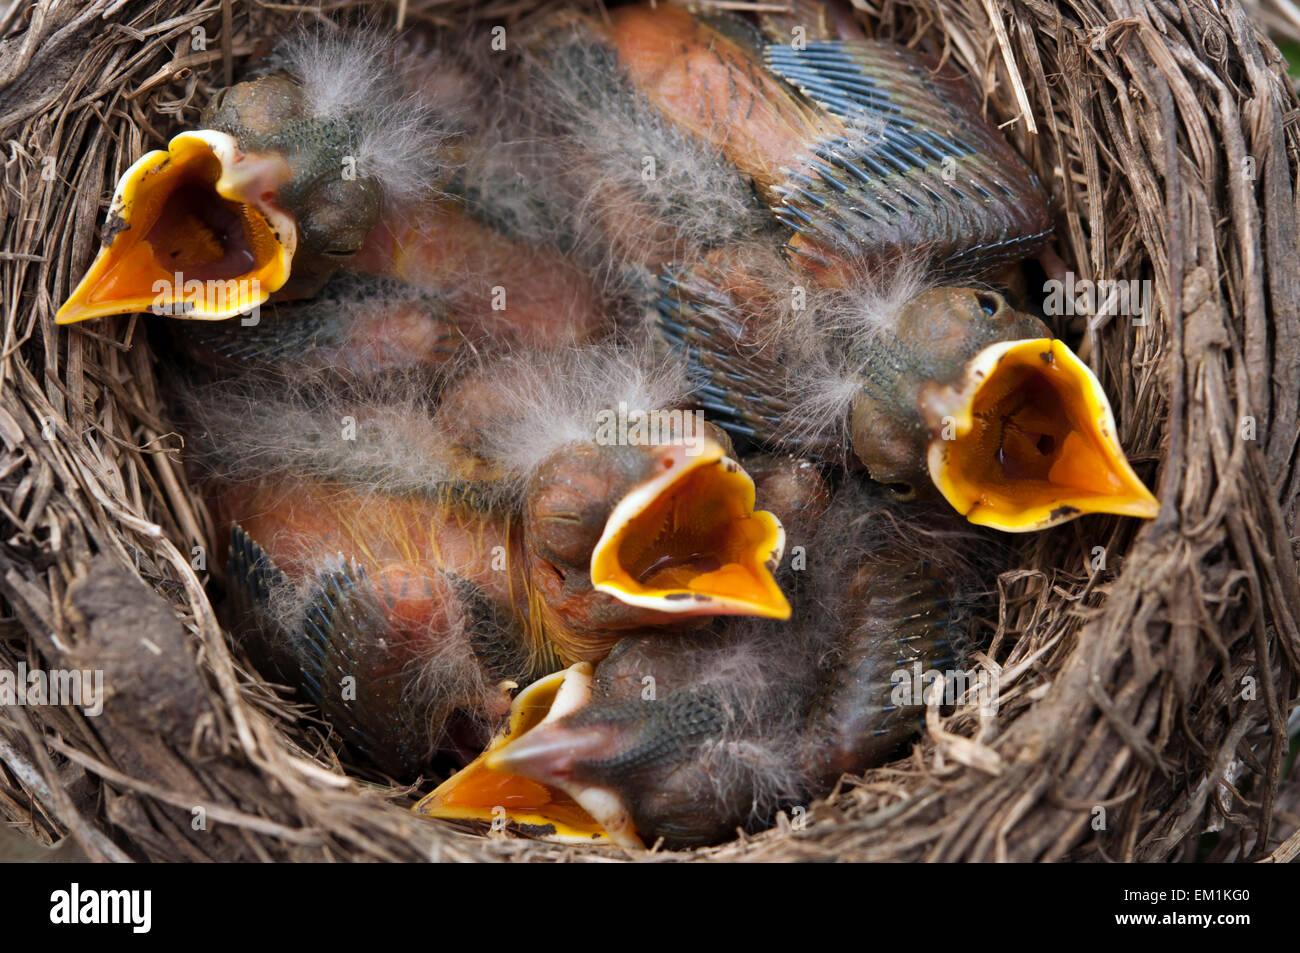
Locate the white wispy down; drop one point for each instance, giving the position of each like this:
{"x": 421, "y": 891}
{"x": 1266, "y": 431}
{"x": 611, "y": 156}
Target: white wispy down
{"x": 366, "y": 77}
{"x": 549, "y": 399}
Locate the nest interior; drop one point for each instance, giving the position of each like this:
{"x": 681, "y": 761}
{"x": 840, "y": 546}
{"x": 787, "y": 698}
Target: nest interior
{"x": 1145, "y": 671}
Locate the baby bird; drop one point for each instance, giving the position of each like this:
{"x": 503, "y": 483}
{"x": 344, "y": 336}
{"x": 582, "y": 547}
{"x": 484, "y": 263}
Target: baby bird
{"x": 930, "y": 388}
{"x": 632, "y": 509}
{"x": 288, "y": 174}
{"x": 685, "y": 738}
{"x": 392, "y": 614}
{"x": 444, "y": 544}
{"x": 776, "y": 174}
{"x": 339, "y": 156}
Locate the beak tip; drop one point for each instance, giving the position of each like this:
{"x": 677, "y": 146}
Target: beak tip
{"x": 428, "y": 806}
{"x": 66, "y": 315}
{"x": 777, "y": 607}
{"x": 74, "y": 309}
{"x": 1148, "y": 506}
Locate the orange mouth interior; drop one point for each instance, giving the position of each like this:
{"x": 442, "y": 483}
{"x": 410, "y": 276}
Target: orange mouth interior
{"x": 179, "y": 226}
{"x": 694, "y": 545}
{"x": 529, "y": 805}
{"x": 479, "y": 793}
{"x": 1039, "y": 447}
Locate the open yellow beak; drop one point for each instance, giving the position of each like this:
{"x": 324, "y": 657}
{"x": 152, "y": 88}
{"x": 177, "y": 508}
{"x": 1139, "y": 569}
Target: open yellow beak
{"x": 688, "y": 540}
{"x": 485, "y": 789}
{"x": 197, "y": 234}
{"x": 1031, "y": 442}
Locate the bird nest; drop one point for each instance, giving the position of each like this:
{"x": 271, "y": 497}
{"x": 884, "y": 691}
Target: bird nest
{"x": 1145, "y": 670}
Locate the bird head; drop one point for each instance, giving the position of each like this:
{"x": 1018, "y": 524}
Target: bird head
{"x": 276, "y": 190}
{"x": 333, "y": 199}
{"x": 483, "y": 791}
{"x": 624, "y": 536}
{"x": 685, "y": 755}
{"x": 1001, "y": 418}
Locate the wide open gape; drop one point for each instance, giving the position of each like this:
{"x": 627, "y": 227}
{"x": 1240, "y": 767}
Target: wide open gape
{"x": 1036, "y": 443}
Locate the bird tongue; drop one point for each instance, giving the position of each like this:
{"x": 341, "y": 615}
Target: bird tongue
{"x": 693, "y": 564}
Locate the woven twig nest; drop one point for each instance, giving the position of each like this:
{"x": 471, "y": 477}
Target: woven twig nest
{"x": 1146, "y": 670}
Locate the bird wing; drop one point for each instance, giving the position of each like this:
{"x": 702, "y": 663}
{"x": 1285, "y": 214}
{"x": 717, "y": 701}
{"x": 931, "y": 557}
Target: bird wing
{"x": 916, "y": 167}
{"x": 739, "y": 383}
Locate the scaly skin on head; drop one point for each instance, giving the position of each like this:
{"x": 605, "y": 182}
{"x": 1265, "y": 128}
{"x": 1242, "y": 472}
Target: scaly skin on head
{"x": 621, "y": 538}
{"x": 334, "y": 212}
{"x": 934, "y": 338}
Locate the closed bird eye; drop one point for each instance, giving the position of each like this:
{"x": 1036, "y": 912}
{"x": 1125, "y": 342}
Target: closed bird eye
{"x": 902, "y": 491}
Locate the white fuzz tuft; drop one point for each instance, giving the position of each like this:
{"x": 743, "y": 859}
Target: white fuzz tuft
{"x": 644, "y": 193}
{"x": 247, "y": 429}
{"x": 759, "y": 671}
{"x": 401, "y": 146}
{"x": 341, "y": 72}
{"x": 401, "y": 434}
{"x": 550, "y": 399}
{"x": 826, "y": 340}
{"x": 400, "y": 127}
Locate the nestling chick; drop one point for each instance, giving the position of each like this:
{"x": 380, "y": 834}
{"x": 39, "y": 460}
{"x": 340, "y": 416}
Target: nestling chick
{"x": 929, "y": 388}
{"x": 686, "y": 738}
{"x": 392, "y": 614}
{"x": 288, "y": 174}
{"x": 507, "y": 500}
{"x": 794, "y": 182}
{"x": 633, "y": 510}
{"x": 340, "y": 156}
